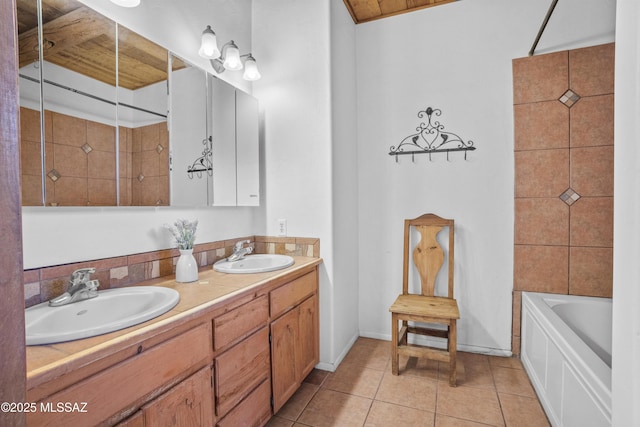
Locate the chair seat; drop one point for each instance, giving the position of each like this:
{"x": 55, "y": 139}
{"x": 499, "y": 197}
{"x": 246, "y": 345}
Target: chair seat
{"x": 420, "y": 305}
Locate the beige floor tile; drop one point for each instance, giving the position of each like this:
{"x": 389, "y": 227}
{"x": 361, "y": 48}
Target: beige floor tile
{"x": 408, "y": 390}
{"x": 419, "y": 367}
{"x": 384, "y": 414}
{"x": 353, "y": 379}
{"x": 513, "y": 381}
{"x": 279, "y": 422}
{"x": 445, "y": 421}
{"x": 332, "y": 408}
{"x": 522, "y": 411}
{"x": 491, "y": 391}
{"x": 296, "y": 404}
{"x": 469, "y": 403}
{"x": 369, "y": 353}
{"x": 316, "y": 377}
{"x": 473, "y": 371}
{"x": 505, "y": 362}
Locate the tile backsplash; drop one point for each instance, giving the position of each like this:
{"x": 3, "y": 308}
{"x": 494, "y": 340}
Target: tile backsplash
{"x": 563, "y": 122}
{"x": 42, "y": 284}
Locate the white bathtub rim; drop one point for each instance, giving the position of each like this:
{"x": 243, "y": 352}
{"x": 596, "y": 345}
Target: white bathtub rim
{"x": 592, "y": 371}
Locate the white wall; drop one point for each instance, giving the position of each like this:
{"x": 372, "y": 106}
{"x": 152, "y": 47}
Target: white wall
{"x": 344, "y": 178}
{"x": 293, "y": 40}
{"x": 455, "y": 57}
{"x": 626, "y": 240}
{"x": 54, "y": 236}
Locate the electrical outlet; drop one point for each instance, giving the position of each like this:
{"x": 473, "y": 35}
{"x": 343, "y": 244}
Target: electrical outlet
{"x": 282, "y": 227}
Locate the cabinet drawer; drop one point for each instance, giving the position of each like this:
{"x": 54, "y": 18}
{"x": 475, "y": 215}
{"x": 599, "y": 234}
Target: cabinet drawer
{"x": 287, "y": 296}
{"x": 240, "y": 322}
{"x": 255, "y": 410}
{"x": 189, "y": 403}
{"x": 240, "y": 369}
{"x": 114, "y": 389}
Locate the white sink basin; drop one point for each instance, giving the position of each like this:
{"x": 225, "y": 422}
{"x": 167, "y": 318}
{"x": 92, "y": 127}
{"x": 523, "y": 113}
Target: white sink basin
{"x": 111, "y": 310}
{"x": 258, "y": 263}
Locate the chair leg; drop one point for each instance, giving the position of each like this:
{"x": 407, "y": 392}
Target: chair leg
{"x": 403, "y": 338}
{"x": 452, "y": 353}
{"x": 394, "y": 343}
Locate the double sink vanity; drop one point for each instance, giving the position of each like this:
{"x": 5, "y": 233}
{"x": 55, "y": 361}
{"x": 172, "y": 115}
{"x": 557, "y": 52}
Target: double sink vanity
{"x": 230, "y": 351}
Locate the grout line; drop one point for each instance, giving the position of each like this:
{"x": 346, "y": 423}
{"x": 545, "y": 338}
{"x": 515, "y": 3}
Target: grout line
{"x": 493, "y": 379}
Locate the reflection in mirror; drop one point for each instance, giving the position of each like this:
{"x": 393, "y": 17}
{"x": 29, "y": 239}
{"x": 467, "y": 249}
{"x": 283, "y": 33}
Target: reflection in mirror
{"x": 190, "y": 145}
{"x": 223, "y": 101}
{"x": 95, "y": 133}
{"x": 82, "y": 109}
{"x": 78, "y": 71}
{"x": 31, "y": 136}
{"x": 142, "y": 120}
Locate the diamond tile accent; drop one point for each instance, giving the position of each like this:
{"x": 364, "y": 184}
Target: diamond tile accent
{"x": 569, "y": 98}
{"x": 140, "y": 177}
{"x": 569, "y": 196}
{"x": 159, "y": 149}
{"x": 53, "y": 175}
{"x": 87, "y": 148}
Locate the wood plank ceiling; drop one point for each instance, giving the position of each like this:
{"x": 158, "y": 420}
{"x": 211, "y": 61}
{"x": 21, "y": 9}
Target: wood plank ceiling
{"x": 369, "y": 10}
{"x": 78, "y": 38}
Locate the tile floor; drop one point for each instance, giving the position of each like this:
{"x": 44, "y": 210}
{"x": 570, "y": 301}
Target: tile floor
{"x": 491, "y": 391}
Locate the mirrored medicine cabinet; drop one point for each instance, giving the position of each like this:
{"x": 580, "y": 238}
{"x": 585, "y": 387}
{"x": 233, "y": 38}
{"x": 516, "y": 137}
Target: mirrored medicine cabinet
{"x": 110, "y": 118}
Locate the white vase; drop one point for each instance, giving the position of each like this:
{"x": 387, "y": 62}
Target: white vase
{"x": 187, "y": 267}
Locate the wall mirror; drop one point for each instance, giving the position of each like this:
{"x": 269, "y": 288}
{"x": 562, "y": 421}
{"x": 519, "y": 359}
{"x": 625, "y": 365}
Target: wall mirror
{"x": 95, "y": 115}
{"x": 214, "y": 138}
{"x": 191, "y": 156}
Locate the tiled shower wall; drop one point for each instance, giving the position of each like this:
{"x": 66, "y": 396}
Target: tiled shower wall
{"x": 42, "y": 284}
{"x": 563, "y": 113}
{"x": 81, "y": 163}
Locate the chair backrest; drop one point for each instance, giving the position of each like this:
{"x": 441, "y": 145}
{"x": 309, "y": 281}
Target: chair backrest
{"x": 428, "y": 256}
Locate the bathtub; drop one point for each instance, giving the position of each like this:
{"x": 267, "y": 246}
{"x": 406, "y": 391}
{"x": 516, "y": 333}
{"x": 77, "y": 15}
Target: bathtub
{"x": 566, "y": 351}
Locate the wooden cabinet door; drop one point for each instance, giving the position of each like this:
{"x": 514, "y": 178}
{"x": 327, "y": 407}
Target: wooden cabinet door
{"x": 307, "y": 352}
{"x": 284, "y": 335}
{"x": 188, "y": 404}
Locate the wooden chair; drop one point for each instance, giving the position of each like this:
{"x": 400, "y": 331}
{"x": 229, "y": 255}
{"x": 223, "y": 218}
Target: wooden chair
{"x": 425, "y": 307}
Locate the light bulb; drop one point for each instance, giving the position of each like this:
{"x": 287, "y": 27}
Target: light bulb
{"x": 209, "y": 44}
{"x": 232, "y": 57}
{"x": 251, "y": 72}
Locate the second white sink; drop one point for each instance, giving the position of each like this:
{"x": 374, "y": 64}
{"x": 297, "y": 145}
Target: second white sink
{"x": 111, "y": 310}
{"x": 258, "y": 263}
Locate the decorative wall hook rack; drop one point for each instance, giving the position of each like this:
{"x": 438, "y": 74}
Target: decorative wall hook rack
{"x": 203, "y": 163}
{"x": 431, "y": 138}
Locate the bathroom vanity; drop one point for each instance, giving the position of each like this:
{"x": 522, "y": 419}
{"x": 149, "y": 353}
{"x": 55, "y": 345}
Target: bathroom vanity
{"x": 232, "y": 352}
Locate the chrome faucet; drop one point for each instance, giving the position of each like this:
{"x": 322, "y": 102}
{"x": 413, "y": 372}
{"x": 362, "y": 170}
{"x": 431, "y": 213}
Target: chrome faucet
{"x": 80, "y": 288}
{"x": 239, "y": 250}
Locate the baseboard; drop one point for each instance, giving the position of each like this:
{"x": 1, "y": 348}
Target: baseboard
{"x": 441, "y": 343}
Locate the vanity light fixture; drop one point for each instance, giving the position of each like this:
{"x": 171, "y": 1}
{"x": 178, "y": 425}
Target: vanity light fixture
{"x": 126, "y": 3}
{"x": 209, "y": 44}
{"x": 227, "y": 58}
{"x": 251, "y": 72}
